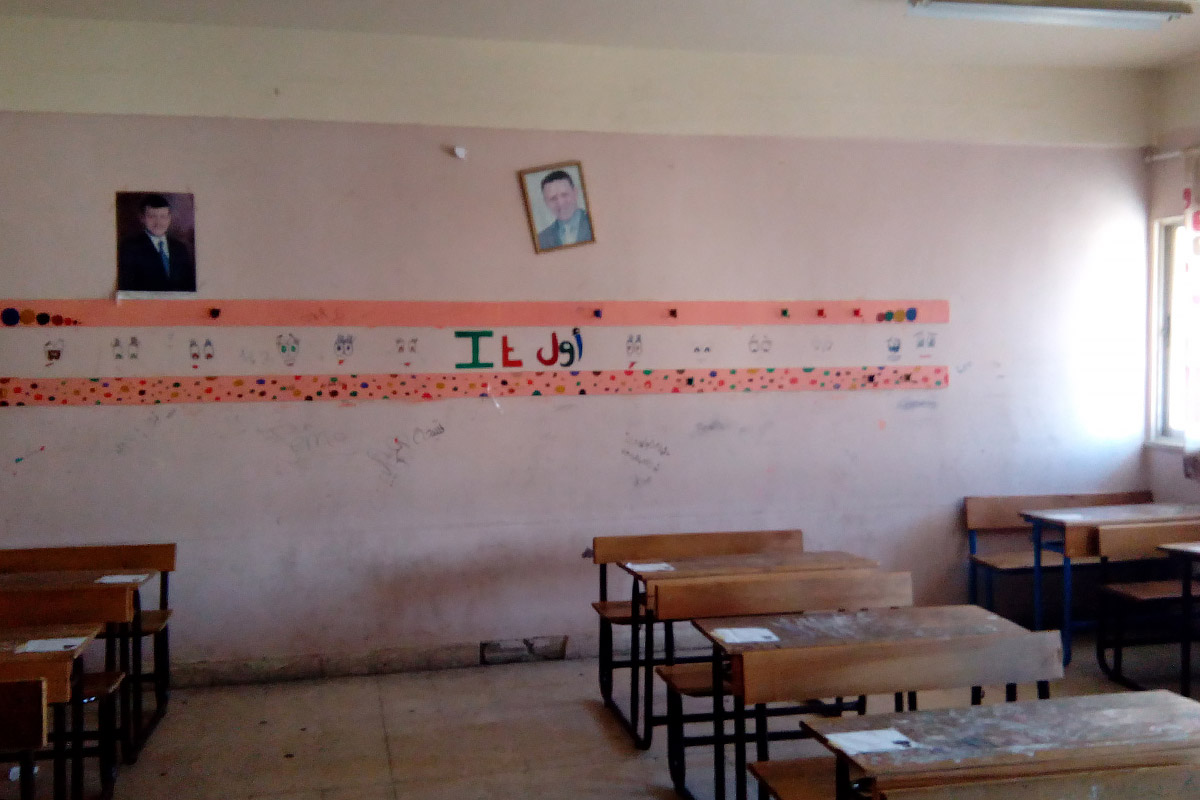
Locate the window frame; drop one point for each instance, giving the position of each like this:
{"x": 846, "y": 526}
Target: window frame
{"x": 1161, "y": 330}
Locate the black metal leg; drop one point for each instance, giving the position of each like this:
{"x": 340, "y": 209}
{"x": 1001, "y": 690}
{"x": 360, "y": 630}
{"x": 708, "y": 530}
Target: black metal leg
{"x": 128, "y": 747}
{"x": 912, "y": 701}
{"x": 28, "y": 778}
{"x": 761, "y": 746}
{"x": 606, "y": 656}
{"x": 1010, "y": 692}
{"x": 162, "y": 670}
{"x": 898, "y": 702}
{"x": 739, "y": 748}
{"x": 108, "y": 745}
{"x": 136, "y": 679}
{"x": 976, "y": 695}
{"x": 718, "y": 678}
{"x": 60, "y": 751}
{"x": 1185, "y": 634}
{"x": 76, "y": 735}
{"x": 635, "y": 658}
{"x": 1043, "y": 690}
{"x": 1037, "y": 575}
{"x": 647, "y": 689}
{"x": 676, "y": 752}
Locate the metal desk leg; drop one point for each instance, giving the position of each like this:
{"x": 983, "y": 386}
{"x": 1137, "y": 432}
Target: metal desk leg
{"x": 1185, "y": 634}
{"x": 739, "y": 748}
{"x": 647, "y": 689}
{"x": 718, "y": 678}
{"x": 60, "y": 751}
{"x": 1037, "y": 575}
{"x": 635, "y": 659}
{"x": 77, "y": 731}
{"x": 1066, "y": 612}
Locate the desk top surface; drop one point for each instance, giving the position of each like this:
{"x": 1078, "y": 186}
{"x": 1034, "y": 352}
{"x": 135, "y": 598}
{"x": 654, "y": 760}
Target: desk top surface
{"x": 1190, "y": 549}
{"x": 1090, "y": 516}
{"x": 76, "y": 579}
{"x": 826, "y": 628}
{"x": 13, "y": 638}
{"x": 1030, "y": 735}
{"x": 747, "y": 564}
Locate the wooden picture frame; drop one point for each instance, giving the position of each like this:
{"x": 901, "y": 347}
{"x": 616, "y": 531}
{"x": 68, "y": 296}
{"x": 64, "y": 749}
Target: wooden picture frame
{"x": 556, "y": 206}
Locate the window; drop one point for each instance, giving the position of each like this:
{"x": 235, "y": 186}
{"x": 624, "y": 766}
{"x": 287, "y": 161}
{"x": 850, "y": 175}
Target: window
{"x": 1168, "y": 368}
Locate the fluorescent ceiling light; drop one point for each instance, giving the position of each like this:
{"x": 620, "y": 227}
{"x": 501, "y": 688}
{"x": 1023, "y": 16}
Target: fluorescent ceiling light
{"x": 1129, "y": 14}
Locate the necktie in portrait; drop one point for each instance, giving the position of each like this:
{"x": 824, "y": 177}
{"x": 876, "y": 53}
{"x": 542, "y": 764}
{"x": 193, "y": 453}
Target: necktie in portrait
{"x": 166, "y": 261}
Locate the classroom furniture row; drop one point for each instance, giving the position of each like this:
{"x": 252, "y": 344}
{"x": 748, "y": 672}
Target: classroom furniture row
{"x": 1099, "y": 531}
{"x": 54, "y": 604}
{"x": 791, "y": 632}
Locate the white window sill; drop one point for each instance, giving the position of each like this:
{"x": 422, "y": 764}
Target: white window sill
{"x": 1169, "y": 445}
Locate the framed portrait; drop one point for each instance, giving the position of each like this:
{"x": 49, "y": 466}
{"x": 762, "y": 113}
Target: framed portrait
{"x": 556, "y": 206}
{"x": 156, "y": 244}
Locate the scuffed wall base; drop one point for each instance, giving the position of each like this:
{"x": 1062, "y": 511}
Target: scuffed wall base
{"x": 186, "y": 674}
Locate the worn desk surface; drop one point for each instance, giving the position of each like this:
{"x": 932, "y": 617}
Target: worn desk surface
{"x": 55, "y": 667}
{"x": 824, "y": 628}
{"x": 1184, "y": 549}
{"x": 749, "y": 563}
{"x": 1078, "y": 525}
{"x": 1007, "y": 739}
{"x": 74, "y": 579}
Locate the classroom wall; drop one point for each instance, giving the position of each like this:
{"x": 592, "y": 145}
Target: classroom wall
{"x": 298, "y": 552}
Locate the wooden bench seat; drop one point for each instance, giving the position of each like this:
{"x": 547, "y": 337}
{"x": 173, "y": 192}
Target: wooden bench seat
{"x": 689, "y": 680}
{"x": 1023, "y": 560}
{"x": 616, "y": 612}
{"x": 1146, "y": 591}
{"x": 798, "y": 778}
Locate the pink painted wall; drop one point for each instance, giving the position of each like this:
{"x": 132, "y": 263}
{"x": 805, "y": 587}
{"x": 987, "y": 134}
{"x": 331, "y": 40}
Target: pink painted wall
{"x": 295, "y": 539}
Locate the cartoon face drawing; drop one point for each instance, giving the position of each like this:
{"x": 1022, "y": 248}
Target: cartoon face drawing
{"x": 134, "y": 346}
{"x": 344, "y": 346}
{"x": 702, "y": 353}
{"x": 118, "y": 350}
{"x": 209, "y": 351}
{"x": 761, "y": 344}
{"x": 289, "y": 347}
{"x": 194, "y": 350}
{"x": 633, "y": 345}
{"x": 54, "y": 350}
{"x": 893, "y": 345}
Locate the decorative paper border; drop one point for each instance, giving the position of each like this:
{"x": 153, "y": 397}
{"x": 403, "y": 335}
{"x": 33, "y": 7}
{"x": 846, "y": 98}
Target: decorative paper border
{"x": 438, "y": 386}
{"x": 421, "y": 314}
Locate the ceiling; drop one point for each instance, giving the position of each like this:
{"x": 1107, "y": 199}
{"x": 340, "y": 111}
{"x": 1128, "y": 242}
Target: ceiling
{"x": 861, "y": 29}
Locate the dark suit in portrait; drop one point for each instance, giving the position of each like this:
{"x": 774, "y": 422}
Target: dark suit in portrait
{"x": 140, "y": 266}
{"x": 551, "y": 236}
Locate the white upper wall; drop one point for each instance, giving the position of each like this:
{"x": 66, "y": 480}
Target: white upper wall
{"x": 174, "y": 69}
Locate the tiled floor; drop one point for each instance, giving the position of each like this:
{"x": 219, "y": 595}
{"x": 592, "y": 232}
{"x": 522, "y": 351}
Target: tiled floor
{"x": 526, "y": 730}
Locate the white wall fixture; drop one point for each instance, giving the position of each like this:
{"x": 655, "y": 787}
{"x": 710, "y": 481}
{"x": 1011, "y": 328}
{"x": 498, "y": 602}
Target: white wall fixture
{"x": 1127, "y": 14}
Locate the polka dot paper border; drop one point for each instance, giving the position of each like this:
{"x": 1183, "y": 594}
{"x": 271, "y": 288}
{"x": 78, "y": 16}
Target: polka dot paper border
{"x": 15, "y": 392}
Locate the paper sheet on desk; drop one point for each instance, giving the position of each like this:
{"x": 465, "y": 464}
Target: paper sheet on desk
{"x": 651, "y": 566}
{"x": 881, "y": 741}
{"x": 51, "y": 645}
{"x": 744, "y": 635}
{"x": 123, "y": 579}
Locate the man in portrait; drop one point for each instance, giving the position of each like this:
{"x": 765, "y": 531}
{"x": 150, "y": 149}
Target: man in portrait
{"x": 152, "y": 260}
{"x": 571, "y": 224}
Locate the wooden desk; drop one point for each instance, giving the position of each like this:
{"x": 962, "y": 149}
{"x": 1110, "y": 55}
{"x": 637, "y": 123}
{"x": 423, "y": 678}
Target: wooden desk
{"x": 54, "y": 667}
{"x": 641, "y": 673}
{"x": 127, "y": 645}
{"x": 860, "y": 652}
{"x": 1045, "y": 737}
{"x": 58, "y": 670}
{"x": 1078, "y": 537}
